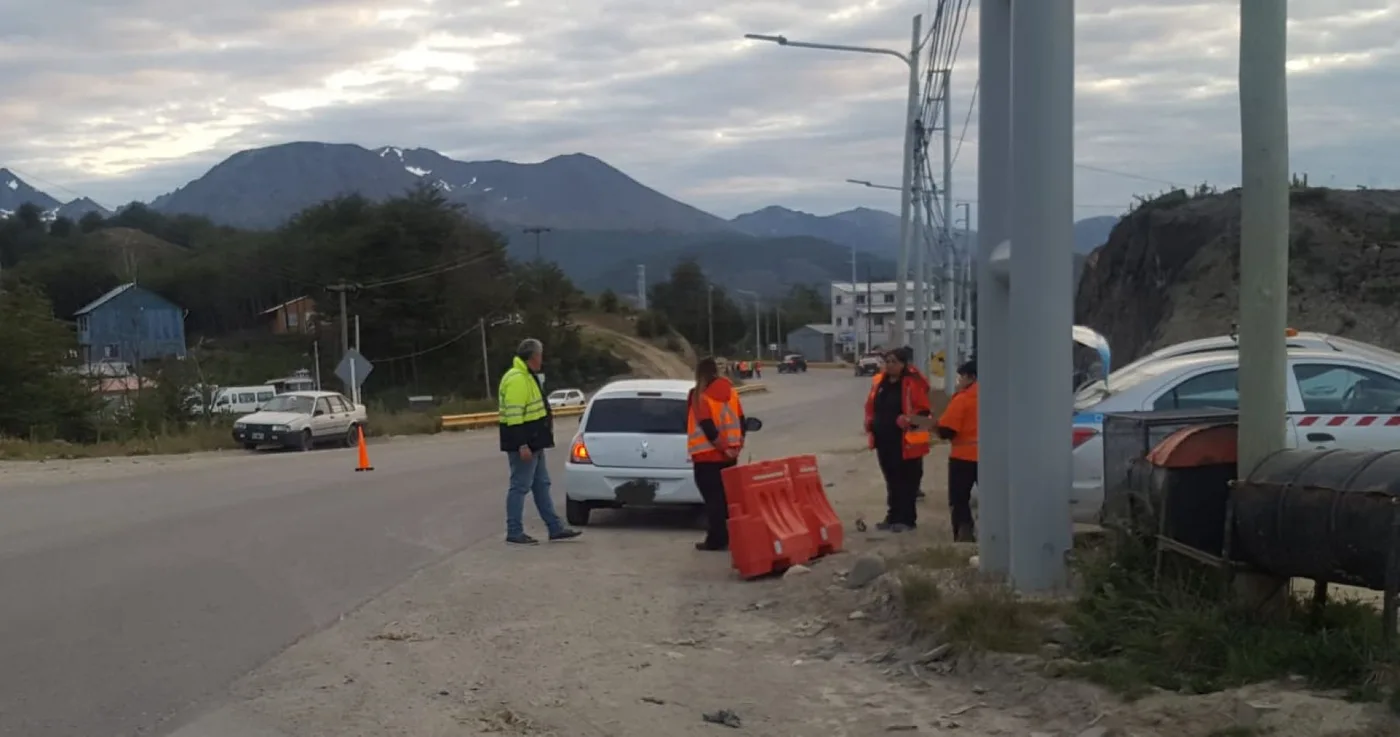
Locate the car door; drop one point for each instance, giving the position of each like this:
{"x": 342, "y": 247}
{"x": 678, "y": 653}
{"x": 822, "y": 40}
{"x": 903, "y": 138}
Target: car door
{"x": 323, "y": 419}
{"x": 576, "y": 398}
{"x": 1347, "y": 405}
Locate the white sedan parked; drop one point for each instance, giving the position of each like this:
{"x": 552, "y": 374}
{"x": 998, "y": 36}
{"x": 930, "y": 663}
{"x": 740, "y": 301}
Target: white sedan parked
{"x": 561, "y": 398}
{"x": 1341, "y": 394}
{"x": 630, "y": 449}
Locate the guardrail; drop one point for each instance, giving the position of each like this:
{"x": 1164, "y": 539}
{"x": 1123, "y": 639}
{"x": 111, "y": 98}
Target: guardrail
{"x": 488, "y": 419}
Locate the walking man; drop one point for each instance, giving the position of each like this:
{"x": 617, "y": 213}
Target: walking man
{"x": 527, "y": 430}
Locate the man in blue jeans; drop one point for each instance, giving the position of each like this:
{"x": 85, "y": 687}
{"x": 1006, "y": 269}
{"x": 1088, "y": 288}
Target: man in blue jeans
{"x": 527, "y": 429}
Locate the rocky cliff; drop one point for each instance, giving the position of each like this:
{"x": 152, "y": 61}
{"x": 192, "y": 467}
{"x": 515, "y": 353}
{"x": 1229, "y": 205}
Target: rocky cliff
{"x": 1170, "y": 269}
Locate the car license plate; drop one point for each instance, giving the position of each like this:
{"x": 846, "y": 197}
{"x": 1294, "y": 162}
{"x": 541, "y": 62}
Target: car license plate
{"x": 257, "y": 436}
{"x": 636, "y": 491}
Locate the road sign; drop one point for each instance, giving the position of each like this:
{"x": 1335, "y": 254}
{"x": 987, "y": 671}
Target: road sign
{"x": 353, "y": 369}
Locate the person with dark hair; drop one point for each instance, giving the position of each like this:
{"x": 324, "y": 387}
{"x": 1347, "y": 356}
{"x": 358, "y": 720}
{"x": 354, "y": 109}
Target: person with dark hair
{"x": 527, "y": 429}
{"x": 958, "y": 426}
{"x": 715, "y": 437}
{"x": 898, "y": 393}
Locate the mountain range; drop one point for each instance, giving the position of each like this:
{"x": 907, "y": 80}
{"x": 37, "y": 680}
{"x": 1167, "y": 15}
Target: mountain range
{"x": 600, "y": 223}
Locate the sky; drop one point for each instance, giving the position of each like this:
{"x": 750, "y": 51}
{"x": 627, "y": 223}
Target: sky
{"x": 124, "y": 100}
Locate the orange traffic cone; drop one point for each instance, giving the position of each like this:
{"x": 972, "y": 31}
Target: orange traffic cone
{"x": 364, "y": 453}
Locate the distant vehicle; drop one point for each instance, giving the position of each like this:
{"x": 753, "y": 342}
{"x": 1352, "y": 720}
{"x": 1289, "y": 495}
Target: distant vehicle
{"x": 630, "y": 449}
{"x": 561, "y": 398}
{"x": 300, "y": 381}
{"x": 301, "y": 420}
{"x": 237, "y": 400}
{"x": 870, "y": 364}
{"x": 792, "y": 363}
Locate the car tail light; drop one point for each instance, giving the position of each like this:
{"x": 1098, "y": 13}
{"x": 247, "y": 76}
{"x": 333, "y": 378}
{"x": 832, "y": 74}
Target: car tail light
{"x": 578, "y": 453}
{"x": 1083, "y": 435}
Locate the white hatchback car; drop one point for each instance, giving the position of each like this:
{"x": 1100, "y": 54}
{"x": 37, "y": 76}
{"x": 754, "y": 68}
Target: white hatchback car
{"x": 561, "y": 398}
{"x": 630, "y": 449}
{"x": 1341, "y": 394}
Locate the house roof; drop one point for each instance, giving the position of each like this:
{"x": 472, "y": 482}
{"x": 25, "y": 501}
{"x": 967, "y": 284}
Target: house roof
{"x": 113, "y": 294}
{"x": 822, "y": 328}
{"x": 289, "y": 302}
{"x": 104, "y": 299}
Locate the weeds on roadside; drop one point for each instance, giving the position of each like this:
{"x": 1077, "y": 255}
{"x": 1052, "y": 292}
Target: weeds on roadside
{"x": 941, "y": 595}
{"x": 1132, "y": 633}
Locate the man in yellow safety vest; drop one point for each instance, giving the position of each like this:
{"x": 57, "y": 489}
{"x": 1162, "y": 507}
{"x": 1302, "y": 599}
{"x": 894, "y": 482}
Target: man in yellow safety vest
{"x": 527, "y": 429}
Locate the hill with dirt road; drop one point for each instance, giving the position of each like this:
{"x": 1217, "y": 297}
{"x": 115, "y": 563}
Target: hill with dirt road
{"x": 1170, "y": 269}
{"x": 672, "y": 359}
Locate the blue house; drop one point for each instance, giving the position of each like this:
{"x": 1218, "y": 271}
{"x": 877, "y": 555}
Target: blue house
{"x": 131, "y": 325}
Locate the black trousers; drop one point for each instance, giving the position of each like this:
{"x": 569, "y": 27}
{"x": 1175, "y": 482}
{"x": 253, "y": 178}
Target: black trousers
{"x": 962, "y": 476}
{"x": 711, "y": 485}
{"x": 902, "y": 479}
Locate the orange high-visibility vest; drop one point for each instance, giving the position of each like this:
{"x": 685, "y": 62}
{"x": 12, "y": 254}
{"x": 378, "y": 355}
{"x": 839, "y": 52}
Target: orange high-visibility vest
{"x": 917, "y": 441}
{"x": 961, "y": 418}
{"x": 726, "y": 419}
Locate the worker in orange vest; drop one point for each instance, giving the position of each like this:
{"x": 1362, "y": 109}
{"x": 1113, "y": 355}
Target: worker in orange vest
{"x": 715, "y": 437}
{"x": 958, "y": 426}
{"x": 898, "y": 393}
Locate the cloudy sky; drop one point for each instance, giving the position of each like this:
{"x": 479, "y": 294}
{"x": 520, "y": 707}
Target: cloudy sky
{"x": 127, "y": 99}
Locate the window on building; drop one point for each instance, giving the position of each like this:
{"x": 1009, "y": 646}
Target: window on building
{"x": 909, "y": 316}
{"x": 860, "y": 299}
{"x": 889, "y": 299}
{"x": 291, "y": 318}
{"x": 838, "y": 299}
{"x": 111, "y": 350}
{"x": 879, "y": 320}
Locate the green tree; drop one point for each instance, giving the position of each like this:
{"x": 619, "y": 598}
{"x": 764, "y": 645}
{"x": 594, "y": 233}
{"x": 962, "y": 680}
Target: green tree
{"x": 689, "y": 301}
{"x": 61, "y": 227}
{"x": 91, "y": 221}
{"x": 43, "y": 398}
{"x": 607, "y": 301}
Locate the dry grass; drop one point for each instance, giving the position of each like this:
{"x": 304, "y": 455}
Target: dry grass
{"x": 194, "y": 440}
{"x": 942, "y": 597}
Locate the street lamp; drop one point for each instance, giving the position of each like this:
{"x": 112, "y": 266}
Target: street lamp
{"x": 911, "y": 118}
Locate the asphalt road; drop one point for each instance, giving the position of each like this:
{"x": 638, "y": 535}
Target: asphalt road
{"x": 135, "y": 592}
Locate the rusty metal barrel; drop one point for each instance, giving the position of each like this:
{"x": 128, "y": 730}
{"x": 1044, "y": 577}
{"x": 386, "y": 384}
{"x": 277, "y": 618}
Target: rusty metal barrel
{"x": 1328, "y": 515}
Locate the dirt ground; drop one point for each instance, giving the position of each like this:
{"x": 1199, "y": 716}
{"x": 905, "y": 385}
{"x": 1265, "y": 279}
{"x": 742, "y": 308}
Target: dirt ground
{"x": 630, "y": 632}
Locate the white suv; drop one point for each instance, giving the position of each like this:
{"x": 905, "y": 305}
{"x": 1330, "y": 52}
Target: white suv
{"x": 630, "y": 449}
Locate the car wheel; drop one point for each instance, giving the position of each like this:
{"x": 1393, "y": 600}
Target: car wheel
{"x": 576, "y": 512}
{"x": 250, "y": 447}
{"x": 352, "y": 436}
{"x": 307, "y": 443}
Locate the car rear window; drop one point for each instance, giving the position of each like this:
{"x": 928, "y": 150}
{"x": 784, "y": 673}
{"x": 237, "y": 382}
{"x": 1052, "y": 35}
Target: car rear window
{"x": 644, "y": 415}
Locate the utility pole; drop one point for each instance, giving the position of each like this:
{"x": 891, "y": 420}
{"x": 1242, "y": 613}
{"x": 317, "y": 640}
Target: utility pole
{"x": 778, "y": 318}
{"x": 1264, "y": 202}
{"x": 642, "y": 286}
{"x": 342, "y": 288}
{"x": 911, "y": 115}
{"x": 485, "y": 360}
{"x": 710, "y": 315}
{"x": 993, "y": 293}
{"x": 965, "y": 319}
{"x": 1042, "y": 92}
{"x": 921, "y": 295}
{"x": 537, "y": 231}
{"x": 950, "y": 344}
{"x": 757, "y": 329}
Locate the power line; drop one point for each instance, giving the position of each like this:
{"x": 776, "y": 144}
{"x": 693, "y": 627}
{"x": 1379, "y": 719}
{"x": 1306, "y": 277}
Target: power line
{"x": 426, "y": 351}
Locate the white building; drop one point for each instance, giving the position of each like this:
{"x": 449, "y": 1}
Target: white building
{"x": 863, "y": 315}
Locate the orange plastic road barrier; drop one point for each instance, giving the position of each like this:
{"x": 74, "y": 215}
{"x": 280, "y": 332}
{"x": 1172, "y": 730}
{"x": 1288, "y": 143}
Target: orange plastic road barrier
{"x": 364, "y": 452}
{"x": 766, "y": 531}
{"x": 810, "y": 494}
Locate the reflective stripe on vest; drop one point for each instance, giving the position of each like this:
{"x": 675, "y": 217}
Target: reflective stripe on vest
{"x": 509, "y": 404}
{"x": 726, "y": 419}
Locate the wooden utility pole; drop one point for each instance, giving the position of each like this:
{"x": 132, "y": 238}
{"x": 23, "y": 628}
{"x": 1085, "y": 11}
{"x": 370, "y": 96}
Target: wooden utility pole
{"x": 342, "y": 288}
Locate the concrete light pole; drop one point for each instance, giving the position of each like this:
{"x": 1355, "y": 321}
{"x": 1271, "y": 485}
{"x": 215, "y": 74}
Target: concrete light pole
{"x": 993, "y": 291}
{"x": 911, "y": 117}
{"x": 1263, "y": 230}
{"x": 1042, "y": 310}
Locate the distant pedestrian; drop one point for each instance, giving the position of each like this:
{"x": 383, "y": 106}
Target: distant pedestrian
{"x": 527, "y": 430}
{"x": 898, "y": 393}
{"x": 715, "y": 438}
{"x": 757, "y": 369}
